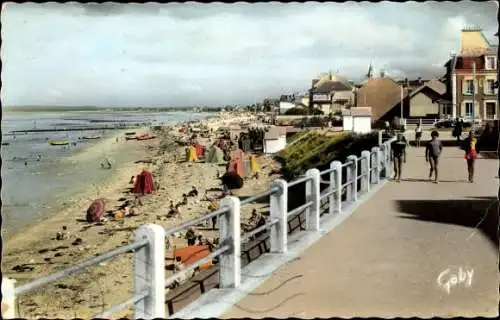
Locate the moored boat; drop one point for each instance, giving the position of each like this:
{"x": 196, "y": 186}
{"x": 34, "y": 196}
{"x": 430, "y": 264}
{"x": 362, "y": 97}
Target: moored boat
{"x": 91, "y": 137}
{"x": 145, "y": 136}
{"x": 58, "y": 142}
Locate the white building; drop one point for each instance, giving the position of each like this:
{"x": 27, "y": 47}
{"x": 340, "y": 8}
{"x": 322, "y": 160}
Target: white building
{"x": 358, "y": 120}
{"x": 274, "y": 140}
{"x": 285, "y": 106}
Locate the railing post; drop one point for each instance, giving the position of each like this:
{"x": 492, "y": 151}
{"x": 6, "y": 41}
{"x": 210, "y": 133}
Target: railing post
{"x": 352, "y": 177}
{"x": 375, "y": 160}
{"x": 8, "y": 299}
{"x": 278, "y": 204}
{"x": 230, "y": 234}
{"x": 313, "y": 194}
{"x": 380, "y": 140}
{"x": 335, "y": 184}
{"x": 149, "y": 272}
{"x": 365, "y": 171}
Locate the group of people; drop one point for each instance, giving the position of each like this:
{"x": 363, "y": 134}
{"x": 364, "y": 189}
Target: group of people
{"x": 433, "y": 151}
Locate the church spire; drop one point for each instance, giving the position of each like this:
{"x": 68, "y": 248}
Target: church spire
{"x": 369, "y": 74}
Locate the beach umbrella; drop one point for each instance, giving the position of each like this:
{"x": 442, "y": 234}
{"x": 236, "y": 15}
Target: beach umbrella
{"x": 232, "y": 180}
{"x": 95, "y": 212}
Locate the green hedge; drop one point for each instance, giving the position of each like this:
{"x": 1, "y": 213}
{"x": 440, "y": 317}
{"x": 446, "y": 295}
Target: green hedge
{"x": 317, "y": 151}
{"x": 303, "y": 112}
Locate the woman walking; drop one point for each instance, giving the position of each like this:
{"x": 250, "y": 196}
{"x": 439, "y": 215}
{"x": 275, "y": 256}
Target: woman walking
{"x": 470, "y": 154}
{"x": 418, "y": 135}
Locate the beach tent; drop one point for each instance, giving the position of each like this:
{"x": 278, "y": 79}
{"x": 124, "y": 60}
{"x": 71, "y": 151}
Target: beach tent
{"x": 236, "y": 154}
{"x": 221, "y": 143}
{"x": 237, "y": 163}
{"x": 254, "y": 166}
{"x": 144, "y": 183}
{"x": 191, "y": 154}
{"x": 95, "y": 212}
{"x": 190, "y": 254}
{"x": 200, "y": 150}
{"x": 214, "y": 155}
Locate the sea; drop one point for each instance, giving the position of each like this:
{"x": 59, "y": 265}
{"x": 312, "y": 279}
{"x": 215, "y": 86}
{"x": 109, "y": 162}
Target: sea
{"x": 35, "y": 179}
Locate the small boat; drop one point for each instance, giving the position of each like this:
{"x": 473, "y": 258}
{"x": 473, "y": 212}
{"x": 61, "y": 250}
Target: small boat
{"x": 146, "y": 136}
{"x": 132, "y": 133}
{"x": 91, "y": 137}
{"x": 5, "y": 143}
{"x": 130, "y": 138}
{"x": 58, "y": 142}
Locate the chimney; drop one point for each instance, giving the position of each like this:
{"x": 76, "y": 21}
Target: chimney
{"x": 472, "y": 40}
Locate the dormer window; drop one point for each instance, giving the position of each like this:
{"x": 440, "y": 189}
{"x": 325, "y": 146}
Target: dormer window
{"x": 490, "y": 63}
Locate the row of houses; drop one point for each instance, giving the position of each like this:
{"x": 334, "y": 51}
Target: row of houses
{"x": 470, "y": 74}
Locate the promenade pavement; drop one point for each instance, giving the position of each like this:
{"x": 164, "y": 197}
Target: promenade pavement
{"x": 387, "y": 258}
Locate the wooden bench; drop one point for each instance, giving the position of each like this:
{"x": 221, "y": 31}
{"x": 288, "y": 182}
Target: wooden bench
{"x": 209, "y": 279}
{"x": 191, "y": 288}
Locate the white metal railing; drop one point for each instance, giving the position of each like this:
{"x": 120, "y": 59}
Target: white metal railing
{"x": 149, "y": 245}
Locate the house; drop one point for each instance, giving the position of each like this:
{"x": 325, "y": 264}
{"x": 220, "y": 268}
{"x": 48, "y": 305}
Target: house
{"x": 426, "y": 101}
{"x": 302, "y": 100}
{"x": 473, "y": 73}
{"x": 331, "y": 93}
{"x": 357, "y": 120}
{"x": 287, "y": 102}
{"x": 274, "y": 140}
{"x": 386, "y": 96}
{"x": 383, "y": 95}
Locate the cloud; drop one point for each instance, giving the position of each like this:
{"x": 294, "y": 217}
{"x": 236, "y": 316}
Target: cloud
{"x": 216, "y": 54}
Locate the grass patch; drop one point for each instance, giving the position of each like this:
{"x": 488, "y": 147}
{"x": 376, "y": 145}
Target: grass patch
{"x": 319, "y": 150}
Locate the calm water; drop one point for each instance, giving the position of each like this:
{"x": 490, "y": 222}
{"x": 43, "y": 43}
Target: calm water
{"x": 30, "y": 193}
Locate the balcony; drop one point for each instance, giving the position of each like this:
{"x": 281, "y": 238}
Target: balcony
{"x": 490, "y": 92}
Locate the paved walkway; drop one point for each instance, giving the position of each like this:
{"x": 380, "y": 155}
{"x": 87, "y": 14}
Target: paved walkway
{"x": 385, "y": 260}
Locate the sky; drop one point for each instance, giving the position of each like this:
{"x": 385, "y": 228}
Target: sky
{"x": 186, "y": 54}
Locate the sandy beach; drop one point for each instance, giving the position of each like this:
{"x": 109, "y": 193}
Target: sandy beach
{"x": 38, "y": 253}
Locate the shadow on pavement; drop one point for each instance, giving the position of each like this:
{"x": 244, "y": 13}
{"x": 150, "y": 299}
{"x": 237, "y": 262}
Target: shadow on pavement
{"x": 479, "y": 212}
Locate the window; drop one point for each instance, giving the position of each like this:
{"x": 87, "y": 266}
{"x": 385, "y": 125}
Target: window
{"x": 468, "y": 86}
{"x": 446, "y": 109}
{"x": 490, "y": 86}
{"x": 468, "y": 109}
{"x": 491, "y": 110}
{"x": 490, "y": 63}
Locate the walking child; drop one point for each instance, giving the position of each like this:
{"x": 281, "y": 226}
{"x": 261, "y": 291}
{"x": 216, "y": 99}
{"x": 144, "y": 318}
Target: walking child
{"x": 398, "y": 155}
{"x": 418, "y": 135}
{"x": 470, "y": 154}
{"x": 432, "y": 152}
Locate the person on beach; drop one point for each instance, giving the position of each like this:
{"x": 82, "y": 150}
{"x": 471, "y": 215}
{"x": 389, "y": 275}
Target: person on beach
{"x": 471, "y": 153}
{"x": 432, "y": 152}
{"x": 418, "y": 135}
{"x": 398, "y": 156}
